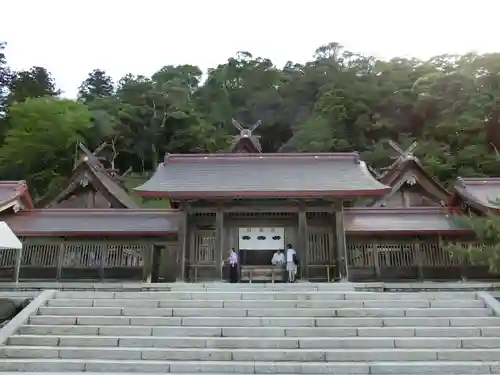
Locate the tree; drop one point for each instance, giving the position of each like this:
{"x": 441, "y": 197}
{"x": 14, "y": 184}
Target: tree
{"x": 39, "y": 146}
{"x": 97, "y": 85}
{"x": 486, "y": 249}
{"x": 5, "y": 77}
{"x": 34, "y": 83}
{"x": 340, "y": 100}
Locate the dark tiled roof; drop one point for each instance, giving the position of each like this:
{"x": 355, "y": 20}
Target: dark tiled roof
{"x": 11, "y": 191}
{"x": 263, "y": 175}
{"x": 480, "y": 193}
{"x": 92, "y": 222}
{"x": 426, "y": 220}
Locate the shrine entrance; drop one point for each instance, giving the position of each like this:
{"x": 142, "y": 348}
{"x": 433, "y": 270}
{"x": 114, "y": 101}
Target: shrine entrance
{"x": 256, "y": 247}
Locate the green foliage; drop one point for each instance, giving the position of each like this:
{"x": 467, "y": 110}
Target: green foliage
{"x": 40, "y": 142}
{"x": 486, "y": 251}
{"x": 339, "y": 101}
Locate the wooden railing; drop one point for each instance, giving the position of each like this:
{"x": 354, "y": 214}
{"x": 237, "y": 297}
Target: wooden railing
{"x": 396, "y": 259}
{"x": 75, "y": 260}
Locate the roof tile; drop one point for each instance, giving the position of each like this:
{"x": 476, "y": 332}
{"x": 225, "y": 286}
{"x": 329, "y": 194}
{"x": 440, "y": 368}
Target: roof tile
{"x": 92, "y": 222}
{"x": 482, "y": 193}
{"x": 271, "y": 175}
{"x": 422, "y": 220}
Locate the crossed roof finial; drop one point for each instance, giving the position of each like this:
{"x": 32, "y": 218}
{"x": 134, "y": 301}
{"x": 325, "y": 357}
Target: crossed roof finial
{"x": 245, "y": 132}
{"x": 403, "y": 154}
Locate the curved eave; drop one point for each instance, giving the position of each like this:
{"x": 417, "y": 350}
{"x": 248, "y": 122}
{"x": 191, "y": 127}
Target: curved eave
{"x": 410, "y": 232}
{"x": 264, "y": 194}
{"x": 94, "y": 234}
{"x": 474, "y": 202}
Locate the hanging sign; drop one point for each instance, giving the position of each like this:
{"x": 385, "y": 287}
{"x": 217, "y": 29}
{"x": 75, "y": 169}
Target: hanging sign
{"x": 261, "y": 238}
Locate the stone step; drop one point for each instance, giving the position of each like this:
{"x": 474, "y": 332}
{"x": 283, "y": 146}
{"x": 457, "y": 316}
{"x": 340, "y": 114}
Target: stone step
{"x": 148, "y": 303}
{"x": 257, "y": 355}
{"x": 266, "y": 322}
{"x": 268, "y": 312}
{"x": 167, "y": 331}
{"x": 267, "y": 295}
{"x": 250, "y": 367}
{"x": 259, "y": 342}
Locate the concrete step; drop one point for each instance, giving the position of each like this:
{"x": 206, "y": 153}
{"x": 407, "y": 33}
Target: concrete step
{"x": 167, "y": 331}
{"x": 266, "y": 322}
{"x": 257, "y": 355}
{"x": 259, "y": 342}
{"x": 268, "y": 295}
{"x": 268, "y": 312}
{"x": 250, "y": 367}
{"x": 332, "y": 304}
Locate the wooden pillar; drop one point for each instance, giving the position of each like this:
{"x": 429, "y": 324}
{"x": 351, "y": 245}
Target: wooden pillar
{"x": 219, "y": 241}
{"x": 376, "y": 260}
{"x": 183, "y": 242}
{"x": 17, "y": 267}
{"x": 102, "y": 264}
{"x": 341, "y": 243}
{"x": 303, "y": 242}
{"x": 418, "y": 259}
{"x": 60, "y": 259}
{"x": 147, "y": 261}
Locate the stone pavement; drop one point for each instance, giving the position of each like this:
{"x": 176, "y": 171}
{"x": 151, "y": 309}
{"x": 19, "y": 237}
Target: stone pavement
{"x": 245, "y": 329}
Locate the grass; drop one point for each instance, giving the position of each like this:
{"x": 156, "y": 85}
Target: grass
{"x": 133, "y": 182}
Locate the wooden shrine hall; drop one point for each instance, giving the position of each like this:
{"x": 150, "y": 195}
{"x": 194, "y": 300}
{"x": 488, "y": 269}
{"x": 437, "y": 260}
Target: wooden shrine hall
{"x": 346, "y": 220}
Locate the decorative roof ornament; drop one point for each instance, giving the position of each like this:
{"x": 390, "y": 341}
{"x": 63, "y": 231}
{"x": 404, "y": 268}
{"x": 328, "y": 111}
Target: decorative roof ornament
{"x": 246, "y": 141}
{"x": 403, "y": 155}
{"x": 245, "y": 132}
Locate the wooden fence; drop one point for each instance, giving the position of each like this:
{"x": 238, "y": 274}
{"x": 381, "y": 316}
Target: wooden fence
{"x": 75, "y": 260}
{"x": 411, "y": 259}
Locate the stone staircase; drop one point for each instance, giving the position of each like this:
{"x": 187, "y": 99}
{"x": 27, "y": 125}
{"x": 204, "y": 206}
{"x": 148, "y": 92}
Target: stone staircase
{"x": 246, "y": 329}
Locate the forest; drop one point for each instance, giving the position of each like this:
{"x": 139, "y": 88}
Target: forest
{"x": 338, "y": 101}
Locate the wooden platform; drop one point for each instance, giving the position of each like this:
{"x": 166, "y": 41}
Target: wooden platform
{"x": 262, "y": 273}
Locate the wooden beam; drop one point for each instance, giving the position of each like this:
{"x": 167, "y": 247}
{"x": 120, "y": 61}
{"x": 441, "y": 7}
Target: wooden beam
{"x": 303, "y": 242}
{"x": 263, "y": 209}
{"x": 183, "y": 241}
{"x": 219, "y": 240}
{"x": 237, "y": 125}
{"x": 341, "y": 244}
{"x": 395, "y": 147}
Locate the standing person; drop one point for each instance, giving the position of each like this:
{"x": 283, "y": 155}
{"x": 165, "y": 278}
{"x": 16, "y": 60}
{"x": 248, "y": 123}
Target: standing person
{"x": 291, "y": 263}
{"x": 232, "y": 260}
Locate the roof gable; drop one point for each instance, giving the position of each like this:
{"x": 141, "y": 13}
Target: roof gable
{"x": 95, "y": 176}
{"x": 262, "y": 175}
{"x": 14, "y": 194}
{"x": 407, "y": 170}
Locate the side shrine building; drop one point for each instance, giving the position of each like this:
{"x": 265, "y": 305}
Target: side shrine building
{"x": 345, "y": 220}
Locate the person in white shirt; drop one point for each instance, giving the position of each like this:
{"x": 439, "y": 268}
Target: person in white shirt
{"x": 278, "y": 259}
{"x": 232, "y": 260}
{"x": 291, "y": 265}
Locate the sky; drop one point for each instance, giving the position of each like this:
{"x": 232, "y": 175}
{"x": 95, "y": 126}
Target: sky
{"x": 71, "y": 38}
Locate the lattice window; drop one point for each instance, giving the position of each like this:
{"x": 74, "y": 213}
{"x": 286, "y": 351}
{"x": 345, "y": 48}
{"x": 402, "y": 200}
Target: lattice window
{"x": 125, "y": 255}
{"x": 319, "y": 248}
{"x": 203, "y": 248}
